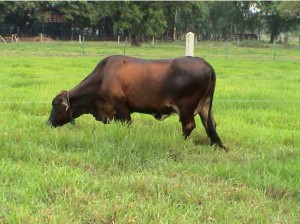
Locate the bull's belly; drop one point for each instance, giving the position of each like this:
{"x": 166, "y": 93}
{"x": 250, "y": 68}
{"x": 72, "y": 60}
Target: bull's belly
{"x": 159, "y": 113}
{"x": 168, "y": 110}
{"x": 162, "y": 112}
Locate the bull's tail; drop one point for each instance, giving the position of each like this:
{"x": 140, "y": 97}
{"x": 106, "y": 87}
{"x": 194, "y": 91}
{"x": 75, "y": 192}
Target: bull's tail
{"x": 211, "y": 129}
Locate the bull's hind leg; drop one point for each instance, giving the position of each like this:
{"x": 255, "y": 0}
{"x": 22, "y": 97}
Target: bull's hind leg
{"x": 187, "y": 119}
{"x": 210, "y": 126}
{"x": 203, "y": 113}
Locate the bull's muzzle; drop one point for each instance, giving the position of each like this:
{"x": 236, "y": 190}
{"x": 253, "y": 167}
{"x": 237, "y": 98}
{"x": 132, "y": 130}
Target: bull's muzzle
{"x": 51, "y": 123}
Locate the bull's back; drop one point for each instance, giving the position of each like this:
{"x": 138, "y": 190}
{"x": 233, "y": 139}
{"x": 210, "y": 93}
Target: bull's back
{"x": 140, "y": 80}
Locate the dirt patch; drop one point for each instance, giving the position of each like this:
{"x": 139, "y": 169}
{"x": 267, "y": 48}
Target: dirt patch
{"x": 29, "y": 39}
{"x": 35, "y": 39}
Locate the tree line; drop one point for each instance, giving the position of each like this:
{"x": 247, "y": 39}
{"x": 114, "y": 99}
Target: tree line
{"x": 139, "y": 20}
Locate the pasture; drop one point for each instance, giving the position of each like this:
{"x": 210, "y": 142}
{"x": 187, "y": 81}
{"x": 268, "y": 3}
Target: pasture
{"x": 147, "y": 172}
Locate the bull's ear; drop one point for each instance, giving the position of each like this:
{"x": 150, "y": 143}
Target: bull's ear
{"x": 65, "y": 101}
{"x": 65, "y": 104}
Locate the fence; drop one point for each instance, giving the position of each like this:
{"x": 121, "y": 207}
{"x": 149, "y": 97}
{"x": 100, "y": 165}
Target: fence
{"x": 256, "y": 50}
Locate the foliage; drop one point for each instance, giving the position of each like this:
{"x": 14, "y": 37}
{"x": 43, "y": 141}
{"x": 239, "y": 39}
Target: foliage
{"x": 193, "y": 16}
{"x": 141, "y": 19}
{"x": 21, "y": 14}
{"x": 280, "y": 16}
{"x": 290, "y": 11}
{"x": 273, "y": 19}
{"x": 77, "y": 12}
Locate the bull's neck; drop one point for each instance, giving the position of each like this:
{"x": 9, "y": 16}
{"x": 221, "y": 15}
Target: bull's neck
{"x": 82, "y": 98}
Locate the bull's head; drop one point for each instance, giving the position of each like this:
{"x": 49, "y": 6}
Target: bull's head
{"x": 61, "y": 111}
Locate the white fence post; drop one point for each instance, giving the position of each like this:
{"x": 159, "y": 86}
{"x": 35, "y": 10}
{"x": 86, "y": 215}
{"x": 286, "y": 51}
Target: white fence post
{"x": 2, "y": 39}
{"x": 189, "y": 48}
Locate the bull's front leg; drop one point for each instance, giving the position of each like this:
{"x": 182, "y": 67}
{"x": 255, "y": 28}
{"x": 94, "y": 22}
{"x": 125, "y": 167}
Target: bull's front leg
{"x": 122, "y": 112}
{"x": 188, "y": 125}
{"x": 103, "y": 111}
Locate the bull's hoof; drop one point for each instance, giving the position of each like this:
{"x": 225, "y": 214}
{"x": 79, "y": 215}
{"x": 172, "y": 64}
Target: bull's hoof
{"x": 220, "y": 146}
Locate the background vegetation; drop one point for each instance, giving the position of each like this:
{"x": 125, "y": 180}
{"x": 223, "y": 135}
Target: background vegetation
{"x": 141, "y": 20}
{"x": 147, "y": 173}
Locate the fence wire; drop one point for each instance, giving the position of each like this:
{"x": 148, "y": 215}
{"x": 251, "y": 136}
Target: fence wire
{"x": 219, "y": 76}
{"x": 216, "y": 100}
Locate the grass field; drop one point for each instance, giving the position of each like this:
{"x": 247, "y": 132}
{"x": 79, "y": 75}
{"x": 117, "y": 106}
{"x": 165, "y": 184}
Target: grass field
{"x": 147, "y": 172}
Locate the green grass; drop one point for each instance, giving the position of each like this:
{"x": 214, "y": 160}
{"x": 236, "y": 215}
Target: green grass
{"x": 147, "y": 173}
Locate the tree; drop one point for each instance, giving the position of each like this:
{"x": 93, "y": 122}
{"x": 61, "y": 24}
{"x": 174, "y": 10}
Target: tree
{"x": 231, "y": 17}
{"x": 102, "y": 16}
{"x": 2, "y": 12}
{"x": 272, "y": 17}
{"x": 290, "y": 12}
{"x": 171, "y": 10}
{"x": 22, "y": 15}
{"x": 154, "y": 19}
{"x": 280, "y": 17}
{"x": 77, "y": 12}
{"x": 140, "y": 19}
{"x": 2, "y": 16}
{"x": 253, "y": 18}
{"x": 193, "y": 16}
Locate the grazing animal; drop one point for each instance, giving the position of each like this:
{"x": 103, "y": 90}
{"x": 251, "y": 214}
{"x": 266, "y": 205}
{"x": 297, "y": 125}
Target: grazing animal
{"x": 121, "y": 85}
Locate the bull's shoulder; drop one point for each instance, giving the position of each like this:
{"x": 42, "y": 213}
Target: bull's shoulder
{"x": 107, "y": 63}
{"x": 122, "y": 58}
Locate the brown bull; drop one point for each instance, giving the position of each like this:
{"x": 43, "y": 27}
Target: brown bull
{"x": 121, "y": 85}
